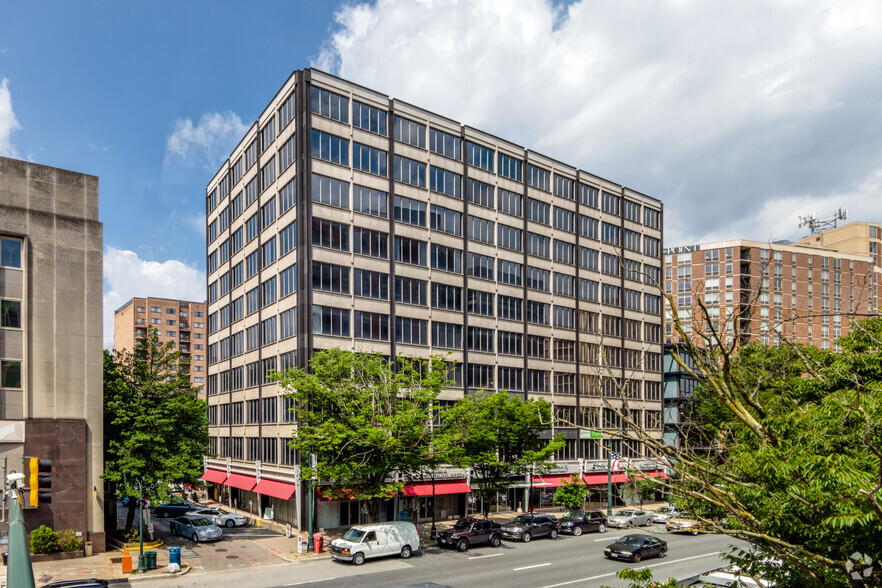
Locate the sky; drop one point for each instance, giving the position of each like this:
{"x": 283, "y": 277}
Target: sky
{"x": 740, "y": 117}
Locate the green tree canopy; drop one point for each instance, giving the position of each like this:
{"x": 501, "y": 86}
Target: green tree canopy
{"x": 155, "y": 427}
{"x": 572, "y": 494}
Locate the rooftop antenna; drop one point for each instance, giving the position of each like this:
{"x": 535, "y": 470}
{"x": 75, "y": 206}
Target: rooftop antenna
{"x": 817, "y": 225}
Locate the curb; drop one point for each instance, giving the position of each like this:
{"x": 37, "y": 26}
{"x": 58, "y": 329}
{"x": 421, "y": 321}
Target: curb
{"x": 138, "y": 577}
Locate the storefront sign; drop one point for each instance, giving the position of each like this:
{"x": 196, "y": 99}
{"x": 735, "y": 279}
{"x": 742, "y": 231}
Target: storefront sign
{"x": 586, "y": 434}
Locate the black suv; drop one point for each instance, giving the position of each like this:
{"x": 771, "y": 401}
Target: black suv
{"x": 470, "y": 531}
{"x": 576, "y": 521}
{"x": 526, "y": 526}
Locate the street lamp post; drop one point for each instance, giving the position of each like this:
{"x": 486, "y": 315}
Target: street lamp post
{"x": 432, "y": 535}
{"x": 608, "y": 478}
{"x": 313, "y": 464}
{"x": 141, "y": 563}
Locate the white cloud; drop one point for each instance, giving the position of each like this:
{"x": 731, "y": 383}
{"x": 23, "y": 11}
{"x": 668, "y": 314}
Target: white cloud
{"x": 8, "y": 122}
{"x": 126, "y": 276}
{"x": 723, "y": 110}
{"x": 207, "y": 143}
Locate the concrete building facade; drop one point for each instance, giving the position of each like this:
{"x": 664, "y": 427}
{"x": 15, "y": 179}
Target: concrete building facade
{"x": 178, "y": 322}
{"x": 348, "y": 219}
{"x": 51, "y": 262}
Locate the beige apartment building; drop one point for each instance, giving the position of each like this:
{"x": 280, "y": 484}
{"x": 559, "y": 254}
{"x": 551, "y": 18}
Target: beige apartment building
{"x": 345, "y": 218}
{"x": 51, "y": 397}
{"x": 768, "y": 291}
{"x": 178, "y": 322}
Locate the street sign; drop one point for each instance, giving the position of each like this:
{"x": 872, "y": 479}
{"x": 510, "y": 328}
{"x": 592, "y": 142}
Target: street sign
{"x": 586, "y": 434}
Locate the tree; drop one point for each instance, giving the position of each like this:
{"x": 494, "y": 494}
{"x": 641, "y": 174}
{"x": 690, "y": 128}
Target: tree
{"x": 365, "y": 421}
{"x": 639, "y": 486}
{"x": 155, "y": 428}
{"x": 572, "y": 494}
{"x": 498, "y": 436}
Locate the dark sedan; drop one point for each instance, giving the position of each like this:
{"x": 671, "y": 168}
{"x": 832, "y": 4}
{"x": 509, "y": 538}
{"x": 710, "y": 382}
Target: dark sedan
{"x": 636, "y": 547}
{"x": 174, "y": 508}
{"x": 578, "y": 521}
{"x": 526, "y": 526}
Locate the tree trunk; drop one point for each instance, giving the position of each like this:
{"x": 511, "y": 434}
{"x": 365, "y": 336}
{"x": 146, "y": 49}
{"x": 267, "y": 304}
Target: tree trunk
{"x": 130, "y": 516}
{"x": 373, "y": 510}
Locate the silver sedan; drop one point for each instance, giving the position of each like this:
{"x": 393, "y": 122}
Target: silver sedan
{"x": 629, "y": 517}
{"x": 220, "y": 518}
{"x": 196, "y": 528}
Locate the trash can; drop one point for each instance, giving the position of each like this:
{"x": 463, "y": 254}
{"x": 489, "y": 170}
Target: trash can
{"x": 174, "y": 555}
{"x": 150, "y": 560}
{"x": 317, "y": 543}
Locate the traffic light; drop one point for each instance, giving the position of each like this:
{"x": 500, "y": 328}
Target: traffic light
{"x": 39, "y": 482}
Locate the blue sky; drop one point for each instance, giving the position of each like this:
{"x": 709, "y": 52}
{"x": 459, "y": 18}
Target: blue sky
{"x": 738, "y": 116}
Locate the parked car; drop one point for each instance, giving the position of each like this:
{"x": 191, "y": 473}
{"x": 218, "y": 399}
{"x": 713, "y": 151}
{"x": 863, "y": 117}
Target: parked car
{"x": 577, "y": 521}
{"x": 684, "y": 522}
{"x": 525, "y": 527}
{"x": 376, "y": 540}
{"x": 174, "y": 508}
{"x": 471, "y": 531}
{"x": 636, "y": 547}
{"x": 661, "y": 515}
{"x": 84, "y": 583}
{"x": 629, "y": 517}
{"x": 221, "y": 518}
{"x": 196, "y": 528}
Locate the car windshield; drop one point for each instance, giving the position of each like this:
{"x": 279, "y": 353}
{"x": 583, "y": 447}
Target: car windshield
{"x": 665, "y": 510}
{"x": 522, "y": 520}
{"x": 573, "y": 515}
{"x": 353, "y": 535}
{"x": 625, "y": 513}
{"x": 462, "y": 525}
{"x": 630, "y": 540}
{"x": 200, "y": 522}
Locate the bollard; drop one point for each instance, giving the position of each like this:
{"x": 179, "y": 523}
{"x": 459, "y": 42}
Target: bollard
{"x": 126, "y": 562}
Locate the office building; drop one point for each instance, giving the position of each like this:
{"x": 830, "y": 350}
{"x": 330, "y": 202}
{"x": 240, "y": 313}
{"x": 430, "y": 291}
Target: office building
{"x": 348, "y": 219}
{"x": 178, "y": 322}
{"x": 51, "y": 366}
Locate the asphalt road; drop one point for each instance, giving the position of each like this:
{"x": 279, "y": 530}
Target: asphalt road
{"x": 543, "y": 563}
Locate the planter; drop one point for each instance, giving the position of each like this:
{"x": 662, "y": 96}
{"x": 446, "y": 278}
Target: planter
{"x": 38, "y": 557}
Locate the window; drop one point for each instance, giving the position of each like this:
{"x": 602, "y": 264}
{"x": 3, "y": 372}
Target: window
{"x": 288, "y": 238}
{"x": 10, "y": 314}
{"x": 10, "y": 371}
{"x": 410, "y": 330}
{"x": 479, "y": 376}
{"x": 412, "y": 212}
{"x": 538, "y": 312}
{"x": 330, "y": 191}
{"x": 480, "y": 303}
{"x": 481, "y": 230}
{"x": 330, "y": 147}
{"x": 370, "y": 243}
{"x": 268, "y": 174}
{"x": 445, "y": 144}
{"x": 327, "y": 320}
{"x": 369, "y": 284}
{"x": 564, "y": 284}
{"x": 410, "y": 291}
{"x": 511, "y": 167}
{"x": 446, "y": 296}
{"x": 610, "y": 234}
{"x": 287, "y": 153}
{"x": 611, "y": 203}
{"x": 267, "y": 214}
{"x": 369, "y": 201}
{"x": 610, "y": 264}
{"x": 564, "y": 252}
{"x": 652, "y": 246}
{"x": 446, "y": 335}
{"x": 268, "y": 252}
{"x": 330, "y": 278}
{"x": 479, "y": 339}
{"x": 409, "y": 171}
{"x": 511, "y": 202}
{"x": 509, "y": 307}
{"x": 445, "y": 220}
{"x": 632, "y": 210}
{"x": 651, "y": 218}
{"x": 479, "y": 156}
{"x": 286, "y": 112}
{"x": 509, "y": 343}
{"x": 538, "y": 177}
{"x": 538, "y": 346}
{"x": 510, "y": 237}
{"x": 564, "y": 317}
{"x": 252, "y": 227}
{"x": 288, "y": 323}
{"x": 329, "y": 234}
{"x": 632, "y": 299}
{"x": 371, "y": 325}
{"x": 538, "y": 245}
{"x": 480, "y": 266}
{"x": 369, "y": 118}
{"x": 287, "y": 197}
{"x": 328, "y": 104}
{"x": 369, "y": 159}
{"x": 445, "y": 182}
{"x": 446, "y": 259}
{"x": 510, "y": 272}
{"x": 538, "y": 279}
{"x": 611, "y": 295}
{"x": 631, "y": 240}
{"x": 410, "y": 132}
{"x": 588, "y": 227}
{"x": 480, "y": 193}
{"x": 251, "y": 154}
{"x": 538, "y": 211}
{"x": 410, "y": 251}
{"x": 564, "y": 219}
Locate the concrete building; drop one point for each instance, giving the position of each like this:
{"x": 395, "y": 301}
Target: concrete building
{"x": 348, "y": 219}
{"x": 766, "y": 291}
{"x": 51, "y": 366}
{"x": 178, "y": 322}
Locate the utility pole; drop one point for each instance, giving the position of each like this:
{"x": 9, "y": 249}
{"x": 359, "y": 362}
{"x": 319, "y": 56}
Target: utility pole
{"x": 3, "y": 505}
{"x": 141, "y": 563}
{"x": 608, "y": 478}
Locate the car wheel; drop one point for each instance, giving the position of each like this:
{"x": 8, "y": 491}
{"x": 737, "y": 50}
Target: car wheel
{"x": 577, "y": 531}
{"x": 195, "y": 538}
{"x": 663, "y": 552}
{"x": 630, "y": 524}
{"x": 527, "y": 537}
{"x": 230, "y": 524}
{"x": 358, "y": 558}
{"x": 462, "y": 545}
{"x": 406, "y": 552}
{"x": 601, "y": 528}
{"x": 647, "y": 523}
{"x": 495, "y": 541}
{"x": 553, "y": 534}
{"x": 636, "y": 558}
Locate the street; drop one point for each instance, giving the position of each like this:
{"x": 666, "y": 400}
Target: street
{"x": 545, "y": 563}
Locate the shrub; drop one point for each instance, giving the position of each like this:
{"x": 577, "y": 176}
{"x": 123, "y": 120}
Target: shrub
{"x": 44, "y": 540}
{"x": 68, "y": 541}
{"x": 132, "y": 535}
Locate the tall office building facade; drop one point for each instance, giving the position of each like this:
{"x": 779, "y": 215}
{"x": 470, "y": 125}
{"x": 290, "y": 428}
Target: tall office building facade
{"x": 178, "y": 322}
{"x": 348, "y": 219}
{"x": 51, "y": 368}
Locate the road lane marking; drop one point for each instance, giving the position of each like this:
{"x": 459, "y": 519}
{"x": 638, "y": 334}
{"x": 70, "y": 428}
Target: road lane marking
{"x": 531, "y": 567}
{"x": 310, "y": 582}
{"x": 641, "y": 568}
{"x": 485, "y": 556}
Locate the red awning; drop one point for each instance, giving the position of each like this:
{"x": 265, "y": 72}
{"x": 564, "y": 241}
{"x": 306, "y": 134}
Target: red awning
{"x": 241, "y": 481}
{"x": 601, "y": 478}
{"x": 551, "y": 480}
{"x": 347, "y": 495}
{"x": 214, "y": 476}
{"x": 443, "y": 487}
{"x": 275, "y": 489}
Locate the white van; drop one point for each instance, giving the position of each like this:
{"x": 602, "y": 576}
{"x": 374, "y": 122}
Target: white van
{"x": 377, "y": 540}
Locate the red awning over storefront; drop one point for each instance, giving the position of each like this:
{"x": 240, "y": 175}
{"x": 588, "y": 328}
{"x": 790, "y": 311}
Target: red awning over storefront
{"x": 214, "y": 476}
{"x": 241, "y": 481}
{"x": 275, "y": 489}
{"x": 441, "y": 487}
{"x": 601, "y": 478}
{"x": 551, "y": 480}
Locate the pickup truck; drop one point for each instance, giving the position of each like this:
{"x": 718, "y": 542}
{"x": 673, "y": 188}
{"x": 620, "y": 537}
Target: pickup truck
{"x": 471, "y": 531}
